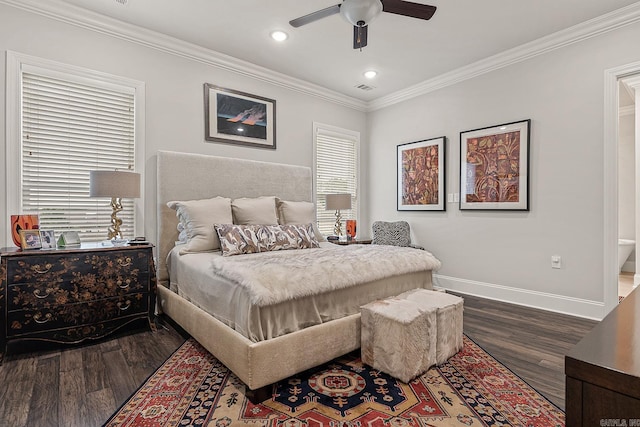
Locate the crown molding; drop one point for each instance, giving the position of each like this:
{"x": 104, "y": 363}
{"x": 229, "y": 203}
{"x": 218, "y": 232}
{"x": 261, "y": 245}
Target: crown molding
{"x": 71, "y": 14}
{"x": 591, "y": 28}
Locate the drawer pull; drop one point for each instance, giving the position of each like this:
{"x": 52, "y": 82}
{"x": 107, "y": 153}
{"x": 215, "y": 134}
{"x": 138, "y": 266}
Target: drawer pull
{"x": 41, "y": 296}
{"x": 120, "y": 305}
{"x": 123, "y": 285}
{"x": 124, "y": 262}
{"x": 38, "y": 318}
{"x": 40, "y": 270}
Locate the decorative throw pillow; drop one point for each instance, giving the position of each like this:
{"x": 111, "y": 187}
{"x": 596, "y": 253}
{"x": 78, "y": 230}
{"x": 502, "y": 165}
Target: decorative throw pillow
{"x": 259, "y": 210}
{"x": 298, "y": 213}
{"x": 391, "y": 233}
{"x": 197, "y": 217}
{"x": 253, "y": 238}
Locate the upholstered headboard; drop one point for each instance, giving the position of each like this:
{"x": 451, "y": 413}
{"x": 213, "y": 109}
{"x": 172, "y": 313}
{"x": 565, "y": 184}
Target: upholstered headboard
{"x": 183, "y": 176}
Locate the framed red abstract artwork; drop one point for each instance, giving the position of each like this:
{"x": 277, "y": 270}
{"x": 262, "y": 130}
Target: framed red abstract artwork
{"x": 421, "y": 175}
{"x": 494, "y": 167}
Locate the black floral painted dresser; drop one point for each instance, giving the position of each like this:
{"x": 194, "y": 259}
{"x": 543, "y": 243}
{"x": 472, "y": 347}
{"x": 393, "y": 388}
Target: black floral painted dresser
{"x": 72, "y": 295}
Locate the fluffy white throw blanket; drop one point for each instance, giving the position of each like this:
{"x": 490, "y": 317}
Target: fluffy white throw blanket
{"x": 273, "y": 277}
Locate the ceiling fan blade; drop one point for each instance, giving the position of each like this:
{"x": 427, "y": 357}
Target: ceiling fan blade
{"x": 407, "y": 8}
{"x": 360, "y": 36}
{"x": 314, "y": 16}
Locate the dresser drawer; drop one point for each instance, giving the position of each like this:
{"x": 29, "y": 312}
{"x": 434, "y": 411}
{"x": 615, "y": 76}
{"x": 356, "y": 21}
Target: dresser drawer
{"x": 21, "y": 322}
{"x": 92, "y": 288}
{"x": 66, "y": 279}
{"x": 63, "y": 268}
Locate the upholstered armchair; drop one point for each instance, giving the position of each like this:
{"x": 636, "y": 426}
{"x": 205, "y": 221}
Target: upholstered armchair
{"x": 396, "y": 233}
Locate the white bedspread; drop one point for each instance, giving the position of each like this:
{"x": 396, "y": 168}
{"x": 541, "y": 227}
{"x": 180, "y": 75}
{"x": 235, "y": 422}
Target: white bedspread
{"x": 273, "y": 277}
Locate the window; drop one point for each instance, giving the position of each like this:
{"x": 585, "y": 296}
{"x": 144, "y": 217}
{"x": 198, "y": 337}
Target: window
{"x": 336, "y": 171}
{"x": 71, "y": 121}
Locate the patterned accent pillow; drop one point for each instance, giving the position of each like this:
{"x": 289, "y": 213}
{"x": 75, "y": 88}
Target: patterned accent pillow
{"x": 391, "y": 233}
{"x": 249, "y": 239}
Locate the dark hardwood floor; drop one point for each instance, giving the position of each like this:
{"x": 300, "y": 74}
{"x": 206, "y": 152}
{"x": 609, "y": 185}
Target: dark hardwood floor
{"x": 532, "y": 343}
{"x": 80, "y": 386}
{"x": 83, "y": 386}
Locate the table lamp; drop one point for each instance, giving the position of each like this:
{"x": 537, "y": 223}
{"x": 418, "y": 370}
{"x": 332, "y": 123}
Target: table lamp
{"x": 337, "y": 202}
{"x": 117, "y": 185}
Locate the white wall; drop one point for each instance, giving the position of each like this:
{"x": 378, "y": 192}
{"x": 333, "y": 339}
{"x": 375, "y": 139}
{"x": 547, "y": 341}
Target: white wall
{"x": 174, "y": 98}
{"x": 506, "y": 255}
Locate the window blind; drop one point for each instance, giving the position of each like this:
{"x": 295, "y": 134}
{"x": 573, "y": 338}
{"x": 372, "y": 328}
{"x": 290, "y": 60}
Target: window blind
{"x": 336, "y": 162}
{"x": 68, "y": 129}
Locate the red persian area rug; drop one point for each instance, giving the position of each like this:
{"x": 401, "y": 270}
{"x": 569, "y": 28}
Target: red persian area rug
{"x": 193, "y": 388}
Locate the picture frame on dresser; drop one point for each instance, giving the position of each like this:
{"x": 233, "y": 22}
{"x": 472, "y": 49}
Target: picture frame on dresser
{"x": 236, "y": 117}
{"x": 421, "y": 175}
{"x": 30, "y": 239}
{"x": 494, "y": 167}
{"x": 48, "y": 239}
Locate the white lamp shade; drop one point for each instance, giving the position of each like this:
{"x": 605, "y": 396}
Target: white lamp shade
{"x": 118, "y": 184}
{"x": 360, "y": 11}
{"x": 337, "y": 202}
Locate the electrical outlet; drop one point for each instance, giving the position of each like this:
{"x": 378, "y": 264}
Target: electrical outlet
{"x": 556, "y": 261}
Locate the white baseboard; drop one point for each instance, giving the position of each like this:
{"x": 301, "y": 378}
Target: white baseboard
{"x": 541, "y": 300}
{"x": 629, "y": 266}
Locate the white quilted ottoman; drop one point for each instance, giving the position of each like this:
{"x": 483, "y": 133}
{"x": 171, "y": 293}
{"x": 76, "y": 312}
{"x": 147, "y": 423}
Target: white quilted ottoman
{"x": 405, "y": 335}
{"x": 398, "y": 337}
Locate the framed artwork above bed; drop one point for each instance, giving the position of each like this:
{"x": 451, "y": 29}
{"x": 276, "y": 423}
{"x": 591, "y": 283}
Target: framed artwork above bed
{"x": 235, "y": 117}
{"x": 494, "y": 167}
{"x": 421, "y": 175}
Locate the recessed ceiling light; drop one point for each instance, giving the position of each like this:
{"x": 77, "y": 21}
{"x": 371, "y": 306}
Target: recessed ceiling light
{"x": 370, "y": 74}
{"x": 279, "y": 36}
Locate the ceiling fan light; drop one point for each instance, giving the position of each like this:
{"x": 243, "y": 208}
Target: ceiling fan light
{"x": 360, "y": 12}
{"x": 279, "y": 36}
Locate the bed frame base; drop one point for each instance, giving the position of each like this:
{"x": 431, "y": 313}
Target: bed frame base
{"x": 263, "y": 363}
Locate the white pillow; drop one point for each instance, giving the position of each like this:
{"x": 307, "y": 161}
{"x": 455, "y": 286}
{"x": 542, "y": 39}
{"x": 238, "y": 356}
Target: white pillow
{"x": 254, "y": 211}
{"x": 198, "y": 217}
{"x": 298, "y": 213}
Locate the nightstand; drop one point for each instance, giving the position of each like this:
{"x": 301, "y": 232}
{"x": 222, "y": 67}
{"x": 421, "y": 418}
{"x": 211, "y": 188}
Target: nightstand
{"x": 71, "y": 295}
{"x": 352, "y": 242}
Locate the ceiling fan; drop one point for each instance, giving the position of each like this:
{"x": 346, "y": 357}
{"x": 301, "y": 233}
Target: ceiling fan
{"x": 361, "y": 12}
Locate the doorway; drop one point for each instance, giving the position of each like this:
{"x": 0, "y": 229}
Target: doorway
{"x": 610, "y": 157}
{"x": 626, "y": 188}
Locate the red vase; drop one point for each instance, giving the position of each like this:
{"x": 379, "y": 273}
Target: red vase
{"x": 351, "y": 228}
{"x": 23, "y": 222}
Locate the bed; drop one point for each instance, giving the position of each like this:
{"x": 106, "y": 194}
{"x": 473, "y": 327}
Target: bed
{"x": 265, "y": 357}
